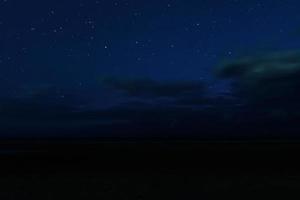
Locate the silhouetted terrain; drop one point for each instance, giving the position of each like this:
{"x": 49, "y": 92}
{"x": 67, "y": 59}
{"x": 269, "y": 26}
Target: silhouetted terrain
{"x": 147, "y": 170}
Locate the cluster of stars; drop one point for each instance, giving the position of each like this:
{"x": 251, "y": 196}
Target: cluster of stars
{"x": 106, "y": 33}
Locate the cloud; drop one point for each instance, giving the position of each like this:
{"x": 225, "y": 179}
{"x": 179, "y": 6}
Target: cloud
{"x": 152, "y": 88}
{"x": 264, "y": 67}
{"x": 272, "y": 79}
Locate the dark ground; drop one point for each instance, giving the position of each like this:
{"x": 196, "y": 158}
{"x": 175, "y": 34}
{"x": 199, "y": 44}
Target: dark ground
{"x": 147, "y": 170}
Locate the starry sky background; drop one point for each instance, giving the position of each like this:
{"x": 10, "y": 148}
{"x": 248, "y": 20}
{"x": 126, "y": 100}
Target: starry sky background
{"x": 70, "y": 45}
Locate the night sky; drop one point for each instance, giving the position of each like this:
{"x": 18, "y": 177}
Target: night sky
{"x": 77, "y": 51}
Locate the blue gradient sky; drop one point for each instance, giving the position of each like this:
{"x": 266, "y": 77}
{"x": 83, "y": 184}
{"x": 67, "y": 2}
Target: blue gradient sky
{"x": 70, "y": 44}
